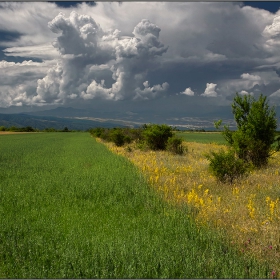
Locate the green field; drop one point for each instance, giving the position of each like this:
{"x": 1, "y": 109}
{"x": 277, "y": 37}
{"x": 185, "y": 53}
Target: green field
{"x": 202, "y": 137}
{"x": 70, "y": 208}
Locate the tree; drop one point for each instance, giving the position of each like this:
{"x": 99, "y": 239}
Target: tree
{"x": 156, "y": 136}
{"x": 256, "y": 129}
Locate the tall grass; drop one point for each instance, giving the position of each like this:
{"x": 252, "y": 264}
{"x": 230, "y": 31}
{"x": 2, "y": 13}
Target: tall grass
{"x": 247, "y": 212}
{"x": 70, "y": 208}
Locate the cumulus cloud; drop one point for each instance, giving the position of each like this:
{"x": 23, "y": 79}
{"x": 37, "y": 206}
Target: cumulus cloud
{"x": 273, "y": 30}
{"x": 86, "y": 49}
{"x": 244, "y": 92}
{"x": 20, "y": 80}
{"x": 48, "y": 88}
{"x": 249, "y": 81}
{"x": 188, "y": 91}
{"x": 97, "y": 90}
{"x": 247, "y": 76}
{"x": 106, "y": 52}
{"x": 6, "y": 64}
{"x": 150, "y": 92}
{"x": 210, "y": 90}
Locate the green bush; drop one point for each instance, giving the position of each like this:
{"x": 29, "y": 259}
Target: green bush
{"x": 97, "y": 131}
{"x": 117, "y": 137}
{"x": 50, "y": 129}
{"x": 105, "y": 135}
{"x": 3, "y": 128}
{"x": 27, "y": 129}
{"x": 174, "y": 145}
{"x": 226, "y": 166}
{"x": 256, "y": 129}
{"x": 156, "y": 136}
{"x": 13, "y": 128}
{"x": 127, "y": 139}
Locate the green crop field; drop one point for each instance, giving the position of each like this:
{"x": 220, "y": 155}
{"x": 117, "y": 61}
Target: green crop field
{"x": 202, "y": 137}
{"x": 70, "y": 208}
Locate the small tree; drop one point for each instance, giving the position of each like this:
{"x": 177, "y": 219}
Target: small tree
{"x": 174, "y": 145}
{"x": 256, "y": 129}
{"x": 226, "y": 167}
{"x": 156, "y": 136}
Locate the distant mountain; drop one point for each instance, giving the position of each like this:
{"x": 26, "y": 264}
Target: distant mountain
{"x": 42, "y": 122}
{"x": 62, "y": 112}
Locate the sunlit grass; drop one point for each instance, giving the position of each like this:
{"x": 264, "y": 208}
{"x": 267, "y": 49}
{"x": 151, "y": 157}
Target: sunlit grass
{"x": 202, "y": 137}
{"x": 247, "y": 211}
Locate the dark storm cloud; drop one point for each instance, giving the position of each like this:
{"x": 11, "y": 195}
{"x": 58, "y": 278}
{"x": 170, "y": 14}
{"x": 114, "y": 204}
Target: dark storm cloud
{"x": 166, "y": 57}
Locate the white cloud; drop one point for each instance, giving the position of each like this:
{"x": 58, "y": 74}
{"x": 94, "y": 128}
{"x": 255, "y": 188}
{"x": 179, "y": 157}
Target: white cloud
{"x": 18, "y": 81}
{"x": 150, "y": 92}
{"x": 188, "y": 91}
{"x": 86, "y": 49}
{"x": 6, "y": 64}
{"x": 48, "y": 88}
{"x": 276, "y": 94}
{"x": 244, "y": 92}
{"x": 43, "y": 51}
{"x": 210, "y": 90}
{"x": 273, "y": 30}
{"x": 247, "y": 76}
{"x": 109, "y": 50}
{"x": 97, "y": 90}
{"x": 28, "y": 20}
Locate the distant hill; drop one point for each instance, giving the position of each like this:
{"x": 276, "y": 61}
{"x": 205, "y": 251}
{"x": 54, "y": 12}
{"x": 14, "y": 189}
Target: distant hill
{"x": 62, "y": 112}
{"x": 42, "y": 122}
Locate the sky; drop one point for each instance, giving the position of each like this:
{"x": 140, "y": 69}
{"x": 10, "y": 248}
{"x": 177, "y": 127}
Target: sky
{"x": 173, "y": 58}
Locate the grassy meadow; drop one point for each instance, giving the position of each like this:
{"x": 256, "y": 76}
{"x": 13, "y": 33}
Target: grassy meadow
{"x": 70, "y": 208}
{"x": 201, "y": 137}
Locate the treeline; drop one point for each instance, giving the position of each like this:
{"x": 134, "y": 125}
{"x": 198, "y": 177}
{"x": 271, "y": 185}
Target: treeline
{"x": 31, "y": 129}
{"x": 151, "y": 136}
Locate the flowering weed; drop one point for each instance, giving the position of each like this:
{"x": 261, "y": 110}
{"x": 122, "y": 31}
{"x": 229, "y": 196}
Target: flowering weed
{"x": 246, "y": 210}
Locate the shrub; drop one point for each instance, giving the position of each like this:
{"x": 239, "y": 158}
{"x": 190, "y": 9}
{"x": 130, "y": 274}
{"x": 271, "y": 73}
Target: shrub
{"x": 226, "y": 166}
{"x": 2, "y": 128}
{"x": 127, "y": 139}
{"x": 142, "y": 145}
{"x": 50, "y": 129}
{"x": 97, "y": 131}
{"x": 13, "y": 128}
{"x": 117, "y": 137}
{"x": 28, "y": 129}
{"x": 256, "y": 129}
{"x": 174, "y": 145}
{"x": 156, "y": 136}
{"x": 105, "y": 135}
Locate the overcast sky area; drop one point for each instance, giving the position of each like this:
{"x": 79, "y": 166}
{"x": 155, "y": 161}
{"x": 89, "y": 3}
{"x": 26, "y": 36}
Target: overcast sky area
{"x": 187, "y": 58}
